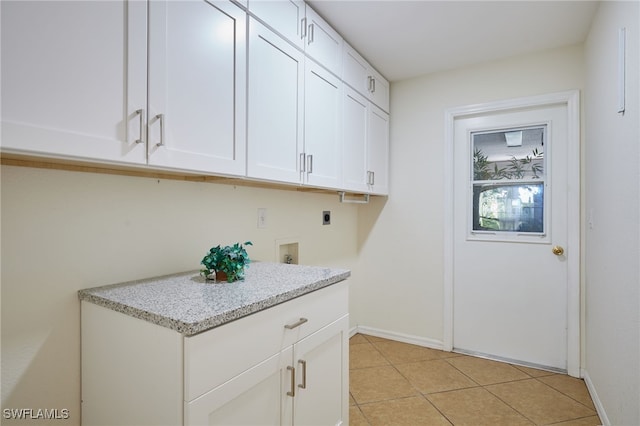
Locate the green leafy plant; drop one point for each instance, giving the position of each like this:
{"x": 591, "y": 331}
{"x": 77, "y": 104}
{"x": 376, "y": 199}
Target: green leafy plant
{"x": 516, "y": 168}
{"x": 230, "y": 260}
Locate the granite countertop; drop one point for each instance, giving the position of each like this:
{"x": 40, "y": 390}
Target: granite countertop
{"x": 188, "y": 304}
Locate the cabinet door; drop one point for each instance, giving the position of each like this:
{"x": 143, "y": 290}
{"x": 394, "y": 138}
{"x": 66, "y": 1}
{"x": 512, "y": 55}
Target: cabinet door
{"x": 276, "y": 102}
{"x": 357, "y": 73}
{"x": 355, "y": 70}
{"x": 379, "y": 91}
{"x": 322, "y": 370}
{"x": 64, "y": 88}
{"x": 354, "y": 150}
{"x": 378, "y": 150}
{"x": 287, "y": 17}
{"x": 197, "y": 83}
{"x": 322, "y": 131}
{"x": 256, "y": 397}
{"x": 323, "y": 43}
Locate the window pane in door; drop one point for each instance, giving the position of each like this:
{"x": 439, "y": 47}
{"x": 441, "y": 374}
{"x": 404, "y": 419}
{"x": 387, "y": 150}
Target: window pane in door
{"x": 508, "y": 180}
{"x": 508, "y": 207}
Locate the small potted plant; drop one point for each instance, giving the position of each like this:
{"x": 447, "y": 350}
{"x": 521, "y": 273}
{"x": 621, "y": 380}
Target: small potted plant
{"x": 226, "y": 263}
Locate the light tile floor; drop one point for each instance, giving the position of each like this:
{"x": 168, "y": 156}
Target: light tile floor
{"x": 395, "y": 384}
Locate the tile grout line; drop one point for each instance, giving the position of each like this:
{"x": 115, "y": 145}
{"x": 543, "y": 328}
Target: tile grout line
{"x": 447, "y": 359}
{"x": 496, "y": 396}
{"x": 415, "y": 388}
{"x": 567, "y": 395}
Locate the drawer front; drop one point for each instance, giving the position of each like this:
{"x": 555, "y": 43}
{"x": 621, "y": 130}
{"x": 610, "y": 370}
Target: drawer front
{"x": 214, "y": 357}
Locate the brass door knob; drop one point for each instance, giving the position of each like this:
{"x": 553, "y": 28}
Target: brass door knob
{"x": 557, "y": 250}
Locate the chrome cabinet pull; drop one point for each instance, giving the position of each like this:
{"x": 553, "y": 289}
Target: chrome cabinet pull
{"x": 140, "y": 113}
{"x": 309, "y": 163}
{"x": 311, "y": 33}
{"x": 373, "y": 85}
{"x": 160, "y": 117}
{"x": 302, "y": 163}
{"x": 296, "y": 324}
{"x": 292, "y": 392}
{"x": 303, "y": 385}
{"x": 373, "y": 178}
{"x": 303, "y": 27}
{"x": 370, "y": 78}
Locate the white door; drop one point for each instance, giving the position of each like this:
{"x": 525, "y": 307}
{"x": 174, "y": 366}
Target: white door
{"x": 197, "y": 86}
{"x": 511, "y": 240}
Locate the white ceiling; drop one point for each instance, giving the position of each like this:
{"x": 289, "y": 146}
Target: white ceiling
{"x": 408, "y": 38}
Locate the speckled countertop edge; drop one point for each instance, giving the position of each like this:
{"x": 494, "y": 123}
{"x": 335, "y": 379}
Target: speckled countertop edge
{"x": 186, "y": 303}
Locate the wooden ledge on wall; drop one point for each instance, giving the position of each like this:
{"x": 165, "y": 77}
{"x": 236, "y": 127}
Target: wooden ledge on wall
{"x": 145, "y": 172}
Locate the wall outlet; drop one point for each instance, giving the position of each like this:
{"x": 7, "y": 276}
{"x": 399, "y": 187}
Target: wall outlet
{"x": 326, "y": 217}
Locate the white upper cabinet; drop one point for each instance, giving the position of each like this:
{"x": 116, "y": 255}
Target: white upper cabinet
{"x": 364, "y": 78}
{"x": 366, "y": 145}
{"x": 197, "y": 86}
{"x": 275, "y": 108}
{"x": 294, "y": 114}
{"x": 64, "y": 81}
{"x": 298, "y": 23}
{"x": 323, "y": 43}
{"x": 175, "y": 97}
{"x": 378, "y": 151}
{"x": 176, "y": 85}
{"x": 354, "y": 136}
{"x": 322, "y": 127}
{"x": 286, "y": 17}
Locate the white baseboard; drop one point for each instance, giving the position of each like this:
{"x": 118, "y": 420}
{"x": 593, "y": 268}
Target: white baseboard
{"x": 595, "y": 398}
{"x": 398, "y": 337}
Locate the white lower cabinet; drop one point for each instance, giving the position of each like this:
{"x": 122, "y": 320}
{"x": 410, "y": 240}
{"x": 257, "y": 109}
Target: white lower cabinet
{"x": 304, "y": 384}
{"x": 255, "y": 397}
{"x": 286, "y": 365}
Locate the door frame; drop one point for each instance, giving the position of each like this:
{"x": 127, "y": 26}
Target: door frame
{"x": 572, "y": 101}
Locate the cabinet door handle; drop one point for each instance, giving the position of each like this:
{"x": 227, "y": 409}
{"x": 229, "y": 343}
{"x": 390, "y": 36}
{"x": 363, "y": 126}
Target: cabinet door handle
{"x": 309, "y": 163}
{"x": 303, "y": 27}
{"x": 373, "y": 178}
{"x": 292, "y": 392}
{"x": 303, "y": 385}
{"x": 311, "y": 33}
{"x": 296, "y": 324}
{"x": 302, "y": 163}
{"x": 160, "y": 118}
{"x": 373, "y": 85}
{"x": 370, "y": 81}
{"x": 140, "y": 113}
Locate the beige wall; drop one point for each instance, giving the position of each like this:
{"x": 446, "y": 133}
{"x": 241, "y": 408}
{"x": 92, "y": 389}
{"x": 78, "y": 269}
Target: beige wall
{"x": 64, "y": 231}
{"x": 401, "y": 259}
{"x": 612, "y": 198}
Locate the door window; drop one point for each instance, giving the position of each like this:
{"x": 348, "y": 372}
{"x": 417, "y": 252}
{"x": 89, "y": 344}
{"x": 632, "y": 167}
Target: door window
{"x": 508, "y": 172}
